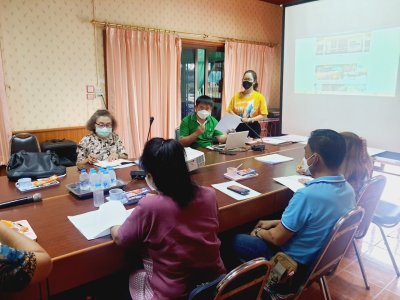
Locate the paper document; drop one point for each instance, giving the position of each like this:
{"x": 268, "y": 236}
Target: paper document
{"x": 119, "y": 163}
{"x": 273, "y": 141}
{"x": 223, "y": 187}
{"x": 228, "y": 122}
{"x": 98, "y": 223}
{"x": 294, "y": 182}
{"x": 273, "y": 159}
{"x": 292, "y": 138}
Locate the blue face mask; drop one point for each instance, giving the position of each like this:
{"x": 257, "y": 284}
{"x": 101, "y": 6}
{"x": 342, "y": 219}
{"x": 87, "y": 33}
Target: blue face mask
{"x": 103, "y": 132}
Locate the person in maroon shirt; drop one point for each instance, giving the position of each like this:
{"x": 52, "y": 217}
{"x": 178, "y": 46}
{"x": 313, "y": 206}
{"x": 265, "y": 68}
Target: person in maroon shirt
{"x": 177, "y": 228}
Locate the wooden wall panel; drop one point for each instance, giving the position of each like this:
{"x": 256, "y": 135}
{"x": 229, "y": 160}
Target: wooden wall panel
{"x": 70, "y": 133}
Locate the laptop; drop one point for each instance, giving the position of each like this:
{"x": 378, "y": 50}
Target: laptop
{"x": 234, "y": 140}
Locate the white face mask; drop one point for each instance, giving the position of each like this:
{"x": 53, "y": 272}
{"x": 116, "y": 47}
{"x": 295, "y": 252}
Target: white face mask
{"x": 150, "y": 183}
{"x": 203, "y": 114}
{"x": 306, "y": 167}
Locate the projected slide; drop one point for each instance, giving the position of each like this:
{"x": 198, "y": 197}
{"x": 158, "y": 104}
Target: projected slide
{"x": 364, "y": 63}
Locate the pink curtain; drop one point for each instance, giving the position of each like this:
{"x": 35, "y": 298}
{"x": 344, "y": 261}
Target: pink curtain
{"x": 143, "y": 80}
{"x": 240, "y": 57}
{"x": 5, "y": 124}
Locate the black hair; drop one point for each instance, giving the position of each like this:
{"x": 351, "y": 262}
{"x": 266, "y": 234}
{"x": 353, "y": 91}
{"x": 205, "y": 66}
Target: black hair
{"x": 330, "y": 145}
{"x": 204, "y": 99}
{"x": 254, "y": 74}
{"x": 165, "y": 161}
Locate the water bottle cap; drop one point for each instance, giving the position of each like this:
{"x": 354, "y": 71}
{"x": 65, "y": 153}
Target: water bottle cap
{"x": 109, "y": 168}
{"x": 83, "y": 171}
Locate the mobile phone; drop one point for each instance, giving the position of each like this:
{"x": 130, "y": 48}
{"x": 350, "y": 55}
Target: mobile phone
{"x": 238, "y": 189}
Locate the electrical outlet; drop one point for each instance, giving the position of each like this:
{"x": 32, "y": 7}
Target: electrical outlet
{"x": 98, "y": 91}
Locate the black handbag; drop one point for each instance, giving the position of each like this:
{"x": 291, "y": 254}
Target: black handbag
{"x": 33, "y": 165}
{"x": 65, "y": 149}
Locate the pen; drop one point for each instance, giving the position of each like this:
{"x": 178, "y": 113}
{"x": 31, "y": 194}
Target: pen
{"x": 239, "y": 166}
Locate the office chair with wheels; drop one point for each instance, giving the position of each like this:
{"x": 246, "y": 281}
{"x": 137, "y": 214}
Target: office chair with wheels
{"x": 387, "y": 215}
{"x": 368, "y": 199}
{"x": 24, "y": 141}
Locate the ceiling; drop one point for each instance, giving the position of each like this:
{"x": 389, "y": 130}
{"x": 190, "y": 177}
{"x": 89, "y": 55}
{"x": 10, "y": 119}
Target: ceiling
{"x": 279, "y": 2}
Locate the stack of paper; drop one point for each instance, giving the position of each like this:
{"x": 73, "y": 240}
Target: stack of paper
{"x": 115, "y": 164}
{"x": 274, "y": 141}
{"x": 273, "y": 158}
{"x": 98, "y": 223}
{"x": 292, "y": 138}
{"x": 294, "y": 182}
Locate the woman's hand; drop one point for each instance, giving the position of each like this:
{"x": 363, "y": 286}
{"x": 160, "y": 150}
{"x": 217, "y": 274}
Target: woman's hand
{"x": 92, "y": 158}
{"x": 246, "y": 120}
{"x": 113, "y": 156}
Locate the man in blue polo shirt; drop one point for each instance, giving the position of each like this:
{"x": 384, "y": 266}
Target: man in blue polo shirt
{"x": 198, "y": 129}
{"x": 313, "y": 210}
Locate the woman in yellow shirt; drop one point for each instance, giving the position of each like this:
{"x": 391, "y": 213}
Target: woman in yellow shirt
{"x": 249, "y": 104}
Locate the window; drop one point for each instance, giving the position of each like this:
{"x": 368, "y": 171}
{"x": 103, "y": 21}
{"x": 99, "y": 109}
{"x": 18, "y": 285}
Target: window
{"x": 201, "y": 74}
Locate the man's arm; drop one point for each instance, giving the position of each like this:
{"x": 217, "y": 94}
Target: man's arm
{"x": 186, "y": 141}
{"x": 221, "y": 138}
{"x": 277, "y": 235}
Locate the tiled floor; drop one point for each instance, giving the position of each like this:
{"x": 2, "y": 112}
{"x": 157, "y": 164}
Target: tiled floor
{"x": 347, "y": 282}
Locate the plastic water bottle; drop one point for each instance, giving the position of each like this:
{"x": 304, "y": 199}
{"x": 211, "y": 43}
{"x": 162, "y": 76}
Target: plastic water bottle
{"x": 98, "y": 194}
{"x": 106, "y": 180}
{"x": 84, "y": 180}
{"x": 113, "y": 176}
{"x": 92, "y": 178}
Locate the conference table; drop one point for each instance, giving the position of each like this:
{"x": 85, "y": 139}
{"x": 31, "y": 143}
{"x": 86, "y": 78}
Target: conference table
{"x": 77, "y": 261}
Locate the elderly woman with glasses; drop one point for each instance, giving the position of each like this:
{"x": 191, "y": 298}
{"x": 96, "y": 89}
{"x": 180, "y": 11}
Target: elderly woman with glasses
{"x": 102, "y": 143}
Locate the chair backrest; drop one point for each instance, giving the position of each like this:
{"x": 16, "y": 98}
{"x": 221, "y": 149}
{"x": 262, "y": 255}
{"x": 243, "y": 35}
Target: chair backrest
{"x": 24, "y": 141}
{"x": 338, "y": 242}
{"x": 369, "y": 196}
{"x": 246, "y": 281}
{"x": 177, "y": 134}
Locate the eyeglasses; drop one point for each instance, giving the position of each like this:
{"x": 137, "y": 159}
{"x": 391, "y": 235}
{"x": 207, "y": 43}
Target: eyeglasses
{"x": 108, "y": 125}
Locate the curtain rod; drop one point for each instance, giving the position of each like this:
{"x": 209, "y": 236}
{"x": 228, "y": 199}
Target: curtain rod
{"x": 203, "y": 36}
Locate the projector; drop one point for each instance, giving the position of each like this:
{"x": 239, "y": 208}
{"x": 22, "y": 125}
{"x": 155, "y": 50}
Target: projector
{"x": 194, "y": 159}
